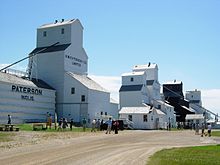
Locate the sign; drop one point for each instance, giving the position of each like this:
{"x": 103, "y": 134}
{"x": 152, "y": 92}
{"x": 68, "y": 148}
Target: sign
{"x": 30, "y": 98}
{"x": 27, "y": 90}
{"x": 76, "y": 61}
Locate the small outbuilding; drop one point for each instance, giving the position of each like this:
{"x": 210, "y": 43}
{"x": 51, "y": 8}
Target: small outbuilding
{"x": 146, "y": 117}
{"x": 193, "y": 119}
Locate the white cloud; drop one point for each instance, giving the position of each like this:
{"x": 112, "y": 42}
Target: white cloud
{"x": 110, "y": 83}
{"x": 3, "y": 65}
{"x": 211, "y": 99}
{"x": 16, "y": 67}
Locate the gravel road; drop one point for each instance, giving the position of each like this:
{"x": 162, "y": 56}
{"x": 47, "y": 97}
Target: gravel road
{"x": 125, "y": 148}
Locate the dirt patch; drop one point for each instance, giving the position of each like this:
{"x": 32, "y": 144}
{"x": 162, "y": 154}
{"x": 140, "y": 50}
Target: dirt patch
{"x": 127, "y": 147}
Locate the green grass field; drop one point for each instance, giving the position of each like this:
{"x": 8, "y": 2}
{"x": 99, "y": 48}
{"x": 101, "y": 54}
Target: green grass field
{"x": 201, "y": 155}
{"x": 5, "y": 137}
{"x": 216, "y": 133}
{"x": 29, "y": 127}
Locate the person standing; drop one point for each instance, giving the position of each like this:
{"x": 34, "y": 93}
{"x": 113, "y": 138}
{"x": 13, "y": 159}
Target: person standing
{"x": 116, "y": 124}
{"x": 50, "y": 121}
{"x": 84, "y": 124}
{"x": 203, "y": 129}
{"x": 197, "y": 129}
{"x": 71, "y": 124}
{"x": 9, "y": 119}
{"x": 60, "y": 124}
{"x": 93, "y": 125}
{"x": 98, "y": 124}
{"x": 109, "y": 123}
{"x": 101, "y": 125}
{"x": 209, "y": 129}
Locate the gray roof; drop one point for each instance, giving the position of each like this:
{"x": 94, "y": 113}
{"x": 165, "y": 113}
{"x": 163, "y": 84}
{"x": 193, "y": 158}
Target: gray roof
{"x": 13, "y": 79}
{"x": 134, "y": 110}
{"x": 150, "y": 82}
{"x": 87, "y": 82}
{"x": 58, "y": 23}
{"x": 130, "y": 88}
{"x": 194, "y": 116}
{"x": 139, "y": 110}
{"x": 50, "y": 49}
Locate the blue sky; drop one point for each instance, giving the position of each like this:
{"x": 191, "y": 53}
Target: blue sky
{"x": 182, "y": 37}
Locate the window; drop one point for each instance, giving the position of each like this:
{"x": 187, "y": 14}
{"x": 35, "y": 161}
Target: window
{"x": 72, "y": 90}
{"x": 132, "y": 79}
{"x": 159, "y": 106}
{"x": 130, "y": 117}
{"x": 145, "y": 118}
{"x": 45, "y": 33}
{"x": 101, "y": 113}
{"x": 62, "y": 31}
{"x": 83, "y": 98}
{"x": 152, "y": 118}
{"x": 105, "y": 113}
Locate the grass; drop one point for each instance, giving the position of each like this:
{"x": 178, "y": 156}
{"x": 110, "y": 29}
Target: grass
{"x": 29, "y": 127}
{"x": 201, "y": 155}
{"x": 216, "y": 133}
{"x": 5, "y": 137}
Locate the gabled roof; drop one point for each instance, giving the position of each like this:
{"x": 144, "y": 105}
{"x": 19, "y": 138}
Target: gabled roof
{"x": 12, "y": 79}
{"x": 172, "y": 82}
{"x": 113, "y": 101}
{"x": 135, "y": 110}
{"x": 87, "y": 82}
{"x": 194, "y": 116}
{"x": 139, "y": 110}
{"x": 133, "y": 74}
{"x": 50, "y": 49}
{"x": 58, "y": 23}
{"x": 138, "y": 68}
{"x": 188, "y": 109}
{"x": 159, "y": 112}
{"x": 125, "y": 88}
{"x": 164, "y": 102}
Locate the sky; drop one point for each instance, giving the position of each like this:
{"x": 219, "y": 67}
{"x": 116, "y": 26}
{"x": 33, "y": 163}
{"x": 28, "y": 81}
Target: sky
{"x": 182, "y": 37}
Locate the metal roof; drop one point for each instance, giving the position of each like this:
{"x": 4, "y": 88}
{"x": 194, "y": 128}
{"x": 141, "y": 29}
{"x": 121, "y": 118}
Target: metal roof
{"x": 87, "y": 82}
{"x": 136, "y": 110}
{"x": 150, "y": 82}
{"x": 130, "y": 88}
{"x": 144, "y": 67}
{"x": 50, "y": 49}
{"x": 113, "y": 101}
{"x": 194, "y": 116}
{"x": 172, "y": 82}
{"x": 159, "y": 112}
{"x": 57, "y": 23}
{"x": 133, "y": 74}
{"x": 13, "y": 79}
{"x": 139, "y": 110}
{"x": 163, "y": 102}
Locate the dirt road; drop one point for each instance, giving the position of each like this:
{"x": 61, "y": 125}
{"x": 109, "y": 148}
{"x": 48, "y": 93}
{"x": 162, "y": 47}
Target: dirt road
{"x": 128, "y": 147}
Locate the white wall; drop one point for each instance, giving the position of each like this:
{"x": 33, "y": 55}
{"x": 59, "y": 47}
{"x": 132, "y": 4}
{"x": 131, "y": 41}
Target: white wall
{"x": 152, "y": 73}
{"x": 54, "y": 35}
{"x": 137, "y": 80}
{"x": 72, "y": 103}
{"x": 97, "y": 102}
{"x": 75, "y": 60}
{"x": 49, "y": 68}
{"x": 114, "y": 109}
{"x": 138, "y": 122}
{"x": 25, "y": 110}
{"x": 131, "y": 99}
